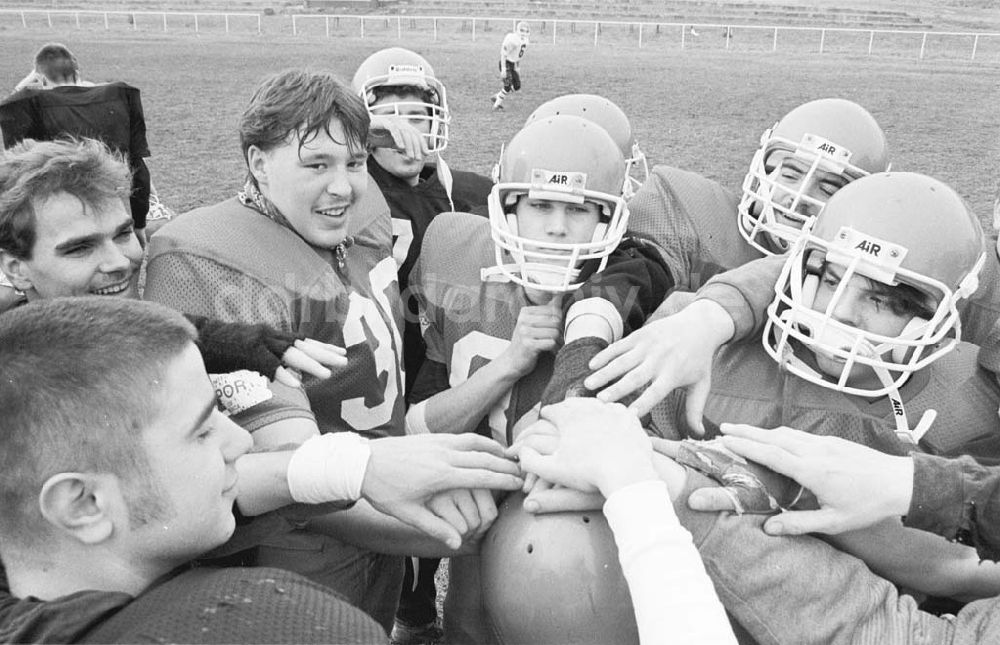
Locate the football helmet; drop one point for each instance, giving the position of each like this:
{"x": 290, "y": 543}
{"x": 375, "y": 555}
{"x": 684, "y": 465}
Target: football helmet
{"x": 609, "y": 116}
{"x": 554, "y": 578}
{"x": 560, "y": 158}
{"x": 796, "y": 157}
{"x": 523, "y": 29}
{"x": 891, "y": 228}
{"x": 398, "y": 67}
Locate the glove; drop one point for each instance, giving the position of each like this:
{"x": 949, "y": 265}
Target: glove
{"x": 571, "y": 368}
{"x": 751, "y": 487}
{"x": 228, "y": 347}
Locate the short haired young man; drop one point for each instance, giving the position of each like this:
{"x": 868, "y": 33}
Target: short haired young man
{"x": 114, "y": 482}
{"x": 63, "y": 104}
{"x": 306, "y": 247}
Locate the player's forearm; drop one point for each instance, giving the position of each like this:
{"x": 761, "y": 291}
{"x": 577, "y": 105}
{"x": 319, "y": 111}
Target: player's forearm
{"x": 263, "y": 481}
{"x": 364, "y": 526}
{"x": 460, "y": 408}
{"x": 921, "y": 561}
{"x": 745, "y": 292}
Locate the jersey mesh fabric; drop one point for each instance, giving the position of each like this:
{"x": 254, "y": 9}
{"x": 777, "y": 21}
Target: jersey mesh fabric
{"x": 693, "y": 219}
{"x": 748, "y": 386}
{"x": 239, "y": 606}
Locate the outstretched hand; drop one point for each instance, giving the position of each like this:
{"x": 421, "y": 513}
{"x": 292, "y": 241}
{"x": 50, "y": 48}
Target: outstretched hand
{"x": 405, "y": 474}
{"x": 665, "y": 354}
{"x": 854, "y": 485}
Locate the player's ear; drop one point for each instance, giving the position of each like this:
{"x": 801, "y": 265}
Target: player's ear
{"x": 82, "y": 506}
{"x": 16, "y": 270}
{"x": 257, "y": 162}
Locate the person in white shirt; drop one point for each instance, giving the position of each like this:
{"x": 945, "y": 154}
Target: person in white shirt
{"x": 511, "y": 52}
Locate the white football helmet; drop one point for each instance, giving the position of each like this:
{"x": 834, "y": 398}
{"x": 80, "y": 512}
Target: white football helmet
{"x": 894, "y": 229}
{"x": 560, "y": 158}
{"x": 797, "y": 157}
{"x": 609, "y": 116}
{"x": 396, "y": 67}
{"x": 523, "y": 29}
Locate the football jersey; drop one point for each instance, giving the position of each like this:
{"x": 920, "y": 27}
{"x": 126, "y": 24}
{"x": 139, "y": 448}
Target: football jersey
{"x": 513, "y": 47}
{"x": 469, "y": 320}
{"x": 748, "y": 386}
{"x": 693, "y": 219}
{"x": 230, "y": 262}
{"x": 412, "y": 209}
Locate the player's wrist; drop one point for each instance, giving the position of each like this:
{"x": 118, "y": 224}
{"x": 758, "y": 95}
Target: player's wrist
{"x": 329, "y": 468}
{"x": 714, "y": 319}
{"x": 624, "y": 474}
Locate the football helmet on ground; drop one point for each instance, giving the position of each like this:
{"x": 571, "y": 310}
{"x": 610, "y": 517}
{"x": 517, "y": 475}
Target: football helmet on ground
{"x": 554, "y": 578}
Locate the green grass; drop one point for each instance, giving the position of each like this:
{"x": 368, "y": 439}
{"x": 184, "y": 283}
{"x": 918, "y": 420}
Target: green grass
{"x": 702, "y": 109}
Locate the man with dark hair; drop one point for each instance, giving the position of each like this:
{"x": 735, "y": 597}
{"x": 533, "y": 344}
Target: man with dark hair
{"x": 306, "y": 247}
{"x": 113, "y": 483}
{"x": 60, "y": 103}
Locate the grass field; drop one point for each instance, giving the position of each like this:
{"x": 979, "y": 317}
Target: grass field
{"x": 700, "y": 110}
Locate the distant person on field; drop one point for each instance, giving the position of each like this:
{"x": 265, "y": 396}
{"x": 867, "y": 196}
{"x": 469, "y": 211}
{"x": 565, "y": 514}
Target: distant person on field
{"x": 55, "y": 101}
{"x": 511, "y": 52}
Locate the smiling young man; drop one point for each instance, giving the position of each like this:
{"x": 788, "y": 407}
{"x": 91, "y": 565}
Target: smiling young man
{"x": 114, "y": 483}
{"x": 306, "y": 246}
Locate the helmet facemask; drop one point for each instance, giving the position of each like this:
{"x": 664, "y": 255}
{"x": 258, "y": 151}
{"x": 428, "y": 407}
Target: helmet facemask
{"x": 773, "y": 210}
{"x": 553, "y": 266}
{"x": 433, "y": 104}
{"x": 794, "y": 322}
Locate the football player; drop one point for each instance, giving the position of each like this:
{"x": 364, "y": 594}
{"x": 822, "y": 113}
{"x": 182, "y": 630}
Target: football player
{"x": 857, "y": 345}
{"x": 306, "y": 246}
{"x": 400, "y": 83}
{"x": 549, "y": 268}
{"x": 609, "y": 116}
{"x": 512, "y": 51}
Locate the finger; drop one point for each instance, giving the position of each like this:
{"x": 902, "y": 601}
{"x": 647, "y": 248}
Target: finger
{"x": 711, "y": 499}
{"x": 422, "y": 519}
{"x": 666, "y": 446}
{"x": 802, "y": 522}
{"x": 556, "y": 500}
{"x": 487, "y": 509}
{"x": 461, "y": 459}
{"x": 466, "y": 504}
{"x": 285, "y": 377}
{"x": 325, "y": 353}
{"x": 469, "y": 441}
{"x": 446, "y": 507}
{"x": 794, "y": 441}
{"x": 632, "y": 381}
{"x": 694, "y": 407}
{"x": 776, "y": 458}
{"x": 297, "y": 359}
{"x": 546, "y": 468}
{"x": 539, "y": 443}
{"x": 530, "y": 479}
{"x": 610, "y": 353}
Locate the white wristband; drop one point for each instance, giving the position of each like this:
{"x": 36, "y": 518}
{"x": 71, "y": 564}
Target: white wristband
{"x": 329, "y": 468}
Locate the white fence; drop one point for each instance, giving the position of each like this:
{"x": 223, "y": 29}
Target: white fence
{"x": 982, "y": 46}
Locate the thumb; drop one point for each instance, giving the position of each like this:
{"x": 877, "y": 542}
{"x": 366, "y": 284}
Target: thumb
{"x": 694, "y": 407}
{"x": 711, "y": 499}
{"x": 421, "y": 518}
{"x": 801, "y": 522}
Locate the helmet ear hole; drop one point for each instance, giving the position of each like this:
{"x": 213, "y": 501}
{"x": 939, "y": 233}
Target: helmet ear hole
{"x": 900, "y": 353}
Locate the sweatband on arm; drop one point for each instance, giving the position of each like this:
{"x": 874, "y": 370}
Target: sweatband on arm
{"x": 327, "y": 468}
